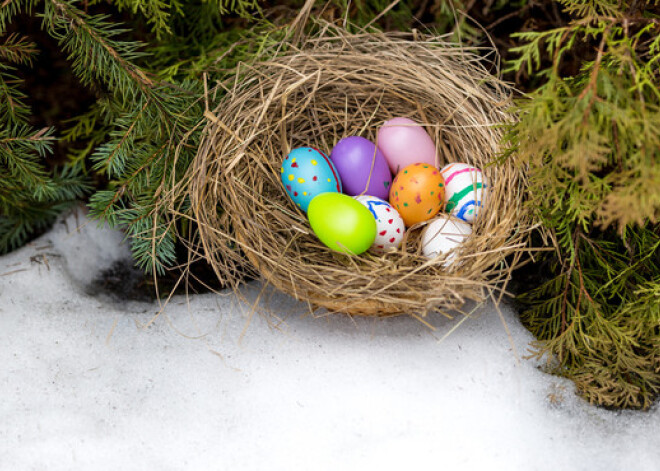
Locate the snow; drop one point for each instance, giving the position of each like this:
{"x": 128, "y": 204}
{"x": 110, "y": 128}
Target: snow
{"x": 94, "y": 382}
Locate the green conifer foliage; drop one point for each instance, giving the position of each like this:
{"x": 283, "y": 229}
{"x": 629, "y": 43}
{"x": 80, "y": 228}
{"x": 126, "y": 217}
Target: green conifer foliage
{"x": 139, "y": 135}
{"x": 30, "y": 195}
{"x": 591, "y": 142}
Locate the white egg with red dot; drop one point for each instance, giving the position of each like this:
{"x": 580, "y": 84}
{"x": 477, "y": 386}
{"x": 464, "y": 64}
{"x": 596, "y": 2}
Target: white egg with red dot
{"x": 442, "y": 236}
{"x": 390, "y": 226}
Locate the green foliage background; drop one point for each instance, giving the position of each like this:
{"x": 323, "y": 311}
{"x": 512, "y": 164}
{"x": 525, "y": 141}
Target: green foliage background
{"x": 588, "y": 135}
{"x": 591, "y": 140}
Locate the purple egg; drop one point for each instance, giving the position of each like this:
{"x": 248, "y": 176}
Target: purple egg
{"x": 362, "y": 168}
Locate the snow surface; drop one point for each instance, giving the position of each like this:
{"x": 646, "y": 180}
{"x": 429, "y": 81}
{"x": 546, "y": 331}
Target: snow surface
{"x": 90, "y": 382}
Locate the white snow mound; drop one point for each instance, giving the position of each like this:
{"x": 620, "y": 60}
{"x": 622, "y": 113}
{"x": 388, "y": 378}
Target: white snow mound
{"x": 91, "y": 384}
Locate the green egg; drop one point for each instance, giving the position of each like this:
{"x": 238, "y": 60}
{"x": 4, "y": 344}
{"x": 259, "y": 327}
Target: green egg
{"x": 342, "y": 223}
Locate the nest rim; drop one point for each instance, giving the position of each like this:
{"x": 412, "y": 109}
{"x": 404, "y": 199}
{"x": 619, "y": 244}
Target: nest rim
{"x": 272, "y": 105}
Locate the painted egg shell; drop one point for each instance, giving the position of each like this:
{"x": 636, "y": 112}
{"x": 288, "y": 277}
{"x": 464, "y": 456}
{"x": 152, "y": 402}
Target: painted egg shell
{"x": 362, "y": 167}
{"x": 307, "y": 172}
{"x": 443, "y": 235}
{"x": 464, "y": 190}
{"x": 404, "y": 142}
{"x": 417, "y": 193}
{"x": 342, "y": 223}
{"x": 390, "y": 227}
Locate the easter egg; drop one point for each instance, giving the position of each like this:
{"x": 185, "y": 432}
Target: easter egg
{"x": 464, "y": 190}
{"x": 342, "y": 223}
{"x": 390, "y": 227}
{"x": 404, "y": 142}
{"x": 361, "y": 167}
{"x": 417, "y": 193}
{"x": 443, "y": 235}
{"x": 307, "y": 172}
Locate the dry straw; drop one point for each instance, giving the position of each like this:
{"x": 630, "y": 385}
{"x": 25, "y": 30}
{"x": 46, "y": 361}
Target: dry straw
{"x": 313, "y": 93}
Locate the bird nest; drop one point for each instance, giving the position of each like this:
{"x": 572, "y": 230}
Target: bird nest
{"x": 313, "y": 93}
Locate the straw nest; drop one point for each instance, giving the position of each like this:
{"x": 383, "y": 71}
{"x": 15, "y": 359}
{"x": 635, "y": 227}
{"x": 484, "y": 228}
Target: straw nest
{"x": 315, "y": 92}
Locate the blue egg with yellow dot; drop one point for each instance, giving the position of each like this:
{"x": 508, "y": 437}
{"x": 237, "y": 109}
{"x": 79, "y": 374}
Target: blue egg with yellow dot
{"x": 307, "y": 172}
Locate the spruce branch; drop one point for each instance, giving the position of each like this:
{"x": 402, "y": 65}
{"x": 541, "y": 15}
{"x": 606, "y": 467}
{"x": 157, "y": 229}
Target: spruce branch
{"x": 17, "y": 49}
{"x": 13, "y": 110}
{"x": 113, "y": 155}
{"x": 96, "y": 55}
{"x": 156, "y": 12}
{"x": 10, "y": 8}
{"x": 18, "y": 147}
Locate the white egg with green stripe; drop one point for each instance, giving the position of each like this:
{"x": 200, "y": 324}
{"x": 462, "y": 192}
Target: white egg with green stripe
{"x": 465, "y": 191}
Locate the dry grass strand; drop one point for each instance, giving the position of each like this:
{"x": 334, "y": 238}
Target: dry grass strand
{"x": 327, "y": 87}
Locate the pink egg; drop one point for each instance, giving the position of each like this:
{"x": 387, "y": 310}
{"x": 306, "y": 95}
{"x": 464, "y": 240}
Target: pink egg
{"x": 404, "y": 142}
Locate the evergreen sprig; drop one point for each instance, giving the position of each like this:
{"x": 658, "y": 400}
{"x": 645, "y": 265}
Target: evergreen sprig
{"x": 591, "y": 143}
{"x": 157, "y": 13}
{"x": 130, "y": 133}
{"x": 10, "y": 8}
{"x": 30, "y": 194}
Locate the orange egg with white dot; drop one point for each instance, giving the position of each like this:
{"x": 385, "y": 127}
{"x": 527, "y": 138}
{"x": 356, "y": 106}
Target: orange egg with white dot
{"x": 418, "y": 193}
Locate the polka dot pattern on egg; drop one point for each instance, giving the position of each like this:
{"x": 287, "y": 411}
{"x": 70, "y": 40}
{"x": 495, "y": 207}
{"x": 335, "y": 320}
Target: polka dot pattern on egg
{"x": 307, "y": 172}
{"x": 389, "y": 224}
{"x": 417, "y": 193}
